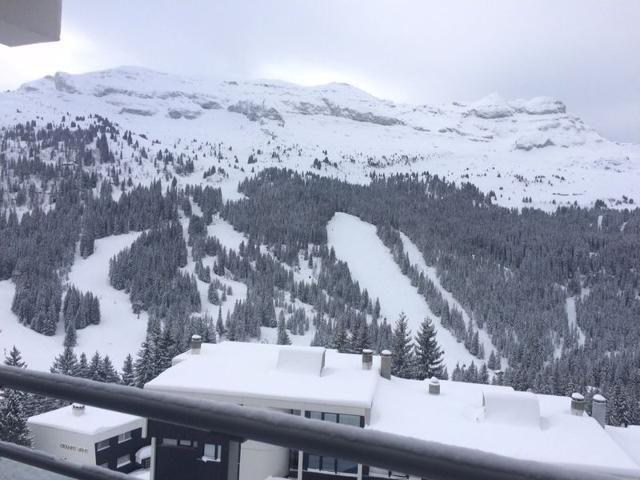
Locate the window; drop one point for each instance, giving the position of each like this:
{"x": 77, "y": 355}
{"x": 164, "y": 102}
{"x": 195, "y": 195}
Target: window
{"x": 315, "y": 415}
{"x": 103, "y": 445}
{"x": 313, "y": 462}
{"x": 350, "y": 420}
{"x": 169, "y": 442}
{"x": 328, "y": 464}
{"x": 187, "y": 443}
{"x": 212, "y": 452}
{"x": 124, "y": 460}
{"x": 123, "y": 437}
{"x": 346, "y": 466}
{"x": 331, "y": 417}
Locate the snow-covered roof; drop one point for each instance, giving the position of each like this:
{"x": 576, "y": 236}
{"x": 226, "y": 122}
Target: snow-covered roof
{"x": 628, "y": 439}
{"x": 249, "y": 373}
{"x": 490, "y": 418}
{"x": 92, "y": 421}
{"x": 510, "y": 407}
{"x": 457, "y": 417}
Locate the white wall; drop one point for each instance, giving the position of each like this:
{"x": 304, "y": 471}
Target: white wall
{"x": 261, "y": 460}
{"x": 71, "y": 446}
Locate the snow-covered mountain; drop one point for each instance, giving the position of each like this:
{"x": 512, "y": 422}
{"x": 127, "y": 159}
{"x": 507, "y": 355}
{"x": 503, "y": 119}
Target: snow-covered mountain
{"x": 521, "y": 149}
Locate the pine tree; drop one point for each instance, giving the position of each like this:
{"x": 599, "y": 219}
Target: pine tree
{"x": 219, "y": 323}
{"x": 95, "y": 368}
{"x": 145, "y": 367}
{"x": 108, "y": 372}
{"x": 13, "y": 421}
{"x": 283, "y": 336}
{"x": 70, "y": 336}
{"x": 402, "y": 363}
{"x": 14, "y": 358}
{"x": 165, "y": 352}
{"x": 428, "y": 353}
{"x": 212, "y": 294}
{"x": 494, "y": 361}
{"x": 83, "y": 366}
{"x": 340, "y": 340}
{"x": 361, "y": 339}
{"x": 128, "y": 375}
{"x": 66, "y": 363}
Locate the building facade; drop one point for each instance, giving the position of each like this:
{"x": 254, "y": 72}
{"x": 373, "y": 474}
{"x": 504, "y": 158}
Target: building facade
{"x": 358, "y": 391}
{"x": 90, "y": 436}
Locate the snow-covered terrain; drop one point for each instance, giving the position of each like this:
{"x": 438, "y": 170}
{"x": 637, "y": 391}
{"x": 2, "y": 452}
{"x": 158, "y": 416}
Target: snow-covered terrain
{"x": 372, "y": 266}
{"x": 119, "y": 333}
{"x": 416, "y": 258}
{"x": 519, "y": 149}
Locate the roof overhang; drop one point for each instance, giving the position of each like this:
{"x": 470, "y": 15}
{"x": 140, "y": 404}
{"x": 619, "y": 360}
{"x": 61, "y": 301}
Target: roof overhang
{"x": 23, "y": 22}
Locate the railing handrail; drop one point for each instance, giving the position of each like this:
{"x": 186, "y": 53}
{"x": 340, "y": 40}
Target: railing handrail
{"x": 365, "y": 446}
{"x": 50, "y": 463}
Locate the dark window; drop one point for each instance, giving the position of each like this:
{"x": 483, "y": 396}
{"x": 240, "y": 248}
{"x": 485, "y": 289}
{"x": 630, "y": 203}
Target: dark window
{"x": 124, "y": 460}
{"x": 313, "y": 461}
{"x": 346, "y": 466}
{"x": 293, "y": 460}
{"x": 102, "y": 445}
{"x": 354, "y": 420}
{"x": 212, "y": 452}
{"x": 331, "y": 464}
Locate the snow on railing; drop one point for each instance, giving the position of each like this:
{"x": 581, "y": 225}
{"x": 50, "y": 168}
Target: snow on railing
{"x": 368, "y": 447}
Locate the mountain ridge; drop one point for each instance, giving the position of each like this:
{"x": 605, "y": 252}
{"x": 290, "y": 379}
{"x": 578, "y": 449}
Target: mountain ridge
{"x": 520, "y": 149}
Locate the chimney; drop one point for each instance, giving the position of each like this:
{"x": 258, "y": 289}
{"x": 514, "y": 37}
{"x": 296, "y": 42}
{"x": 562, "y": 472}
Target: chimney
{"x": 196, "y": 344}
{"x": 385, "y": 364}
{"x": 367, "y": 359}
{"x": 434, "y": 386}
{"x": 77, "y": 409}
{"x": 599, "y": 409}
{"x": 577, "y": 404}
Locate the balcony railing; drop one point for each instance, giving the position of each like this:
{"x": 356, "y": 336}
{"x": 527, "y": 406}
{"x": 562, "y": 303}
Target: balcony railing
{"x": 378, "y": 449}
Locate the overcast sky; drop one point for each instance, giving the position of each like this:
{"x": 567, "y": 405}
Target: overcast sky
{"x": 584, "y": 52}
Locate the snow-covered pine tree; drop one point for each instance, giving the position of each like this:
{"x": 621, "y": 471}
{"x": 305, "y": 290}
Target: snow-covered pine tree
{"x": 66, "y": 363}
{"x": 128, "y": 375}
{"x": 14, "y": 358}
{"x": 95, "y": 368}
{"x": 108, "y": 372}
{"x": 428, "y": 354}
{"x": 361, "y": 338}
{"x": 283, "y": 336}
{"x": 70, "y": 336}
{"x": 166, "y": 351}
{"x": 13, "y": 421}
{"x": 220, "y": 324}
{"x": 83, "y": 366}
{"x": 494, "y": 361}
{"x": 212, "y": 294}
{"x": 402, "y": 363}
{"x": 340, "y": 339}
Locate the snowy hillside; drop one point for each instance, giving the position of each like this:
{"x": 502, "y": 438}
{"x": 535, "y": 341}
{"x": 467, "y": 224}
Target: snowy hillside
{"x": 139, "y": 208}
{"x": 529, "y": 152}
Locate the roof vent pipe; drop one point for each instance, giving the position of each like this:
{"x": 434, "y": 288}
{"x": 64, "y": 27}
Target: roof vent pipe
{"x": 367, "y": 359}
{"x": 434, "y": 386}
{"x": 599, "y": 409}
{"x": 385, "y": 364}
{"x": 196, "y": 344}
{"x": 77, "y": 409}
{"x": 577, "y": 404}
